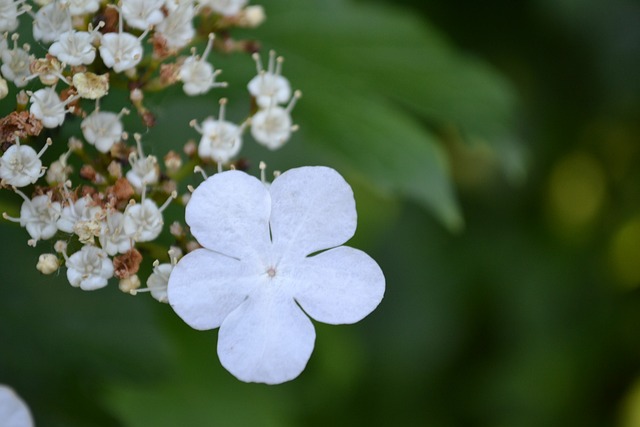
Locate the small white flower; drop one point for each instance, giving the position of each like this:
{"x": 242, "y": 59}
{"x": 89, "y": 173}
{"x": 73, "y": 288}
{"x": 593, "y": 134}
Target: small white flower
{"x": 81, "y": 7}
{"x": 221, "y": 140}
{"x": 269, "y": 86}
{"x": 113, "y": 238}
{"x": 20, "y": 165}
{"x": 39, "y": 216}
{"x": 158, "y": 281}
{"x": 142, "y": 14}
{"x": 177, "y": 28}
{"x": 59, "y": 170}
{"x": 260, "y": 268}
{"x": 121, "y": 51}
{"x": 143, "y": 221}
{"x": 75, "y": 47}
{"x": 272, "y": 127}
{"x": 47, "y": 106}
{"x": 90, "y": 268}
{"x": 16, "y": 62}
{"x": 197, "y": 74}
{"x": 225, "y": 7}
{"x": 103, "y": 129}
{"x": 144, "y": 169}
{"x": 50, "y": 22}
{"x": 80, "y": 211}
{"x": 13, "y": 411}
{"x": 9, "y": 12}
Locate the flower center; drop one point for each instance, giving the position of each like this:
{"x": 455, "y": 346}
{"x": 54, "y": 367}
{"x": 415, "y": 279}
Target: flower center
{"x": 271, "y": 272}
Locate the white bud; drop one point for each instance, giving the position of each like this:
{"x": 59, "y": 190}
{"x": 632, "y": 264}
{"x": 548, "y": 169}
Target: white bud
{"x": 130, "y": 284}
{"x": 47, "y": 263}
{"x": 4, "y": 89}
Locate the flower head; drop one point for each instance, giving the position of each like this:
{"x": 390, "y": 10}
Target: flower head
{"x": 256, "y": 277}
{"x": 20, "y": 165}
{"x": 90, "y": 268}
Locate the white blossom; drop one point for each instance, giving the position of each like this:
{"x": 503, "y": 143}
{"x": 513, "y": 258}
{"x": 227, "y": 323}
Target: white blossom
{"x": 90, "y": 268}
{"x": 158, "y": 281}
{"x": 144, "y": 169}
{"x": 221, "y": 140}
{"x": 177, "y": 28}
{"x": 50, "y": 22}
{"x": 103, "y": 129}
{"x": 142, "y": 14}
{"x": 81, "y": 7}
{"x": 259, "y": 268}
{"x": 113, "y": 238}
{"x": 13, "y": 411}
{"x": 197, "y": 74}
{"x": 81, "y": 210}
{"x": 121, "y": 51}
{"x": 269, "y": 86}
{"x": 15, "y": 63}
{"x": 143, "y": 221}
{"x": 20, "y": 165}
{"x": 225, "y": 7}
{"x": 59, "y": 170}
{"x": 75, "y": 47}
{"x": 39, "y": 216}
{"x": 9, "y": 12}
{"x": 272, "y": 126}
{"x": 47, "y": 106}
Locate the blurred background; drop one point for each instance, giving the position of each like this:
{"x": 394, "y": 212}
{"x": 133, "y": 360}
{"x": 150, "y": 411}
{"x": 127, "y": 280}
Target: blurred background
{"x": 493, "y": 150}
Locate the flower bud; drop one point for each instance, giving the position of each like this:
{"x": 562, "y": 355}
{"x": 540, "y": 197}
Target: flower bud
{"x": 4, "y": 89}
{"x": 47, "y": 263}
{"x": 129, "y": 284}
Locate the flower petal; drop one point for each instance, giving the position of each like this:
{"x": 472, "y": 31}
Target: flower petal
{"x": 229, "y": 213}
{"x": 341, "y": 285}
{"x": 13, "y": 411}
{"x": 205, "y": 286}
{"x": 268, "y": 339}
{"x": 312, "y": 209}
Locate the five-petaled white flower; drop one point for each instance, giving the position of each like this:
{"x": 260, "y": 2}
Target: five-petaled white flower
{"x": 89, "y": 269}
{"x": 259, "y": 271}
{"x": 20, "y": 165}
{"x": 13, "y": 411}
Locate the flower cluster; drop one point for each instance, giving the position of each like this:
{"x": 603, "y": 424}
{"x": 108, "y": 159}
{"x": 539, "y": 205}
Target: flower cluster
{"x": 247, "y": 251}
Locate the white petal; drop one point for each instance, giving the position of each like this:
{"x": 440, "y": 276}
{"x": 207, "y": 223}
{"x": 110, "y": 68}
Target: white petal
{"x": 312, "y": 209}
{"x": 268, "y": 339}
{"x": 13, "y": 411}
{"x": 341, "y": 285}
{"x": 229, "y": 213}
{"x": 205, "y": 287}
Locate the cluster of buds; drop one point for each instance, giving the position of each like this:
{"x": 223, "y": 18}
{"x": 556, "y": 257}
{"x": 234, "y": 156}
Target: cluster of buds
{"x": 105, "y": 215}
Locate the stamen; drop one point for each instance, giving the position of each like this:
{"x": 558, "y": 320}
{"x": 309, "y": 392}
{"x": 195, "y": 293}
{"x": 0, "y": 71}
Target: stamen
{"x": 272, "y": 61}
{"x": 201, "y": 171}
{"x": 221, "y": 113}
{"x": 256, "y": 57}
{"x": 174, "y": 194}
{"x": 9, "y": 218}
{"x": 194, "y": 124}
{"x": 296, "y": 95}
{"x": 49, "y": 142}
{"x": 207, "y": 49}
{"x": 279, "y": 62}
{"x": 263, "y": 168}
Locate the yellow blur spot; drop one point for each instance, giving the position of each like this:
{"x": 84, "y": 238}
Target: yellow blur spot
{"x": 576, "y": 191}
{"x": 630, "y": 410}
{"x": 624, "y": 254}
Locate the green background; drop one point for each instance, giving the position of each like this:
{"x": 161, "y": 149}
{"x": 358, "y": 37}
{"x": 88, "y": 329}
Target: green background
{"x": 493, "y": 150}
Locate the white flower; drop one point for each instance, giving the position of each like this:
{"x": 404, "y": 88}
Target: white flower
{"x": 15, "y": 63}
{"x": 50, "y": 22}
{"x": 272, "y": 127}
{"x": 103, "y": 128}
{"x": 81, "y": 7}
{"x": 80, "y": 211}
{"x": 74, "y": 48}
{"x": 221, "y": 140}
{"x": 13, "y": 411}
{"x": 158, "y": 281}
{"x": 144, "y": 169}
{"x": 260, "y": 269}
{"x": 225, "y": 7}
{"x": 143, "y": 221}
{"x": 121, "y": 51}
{"x": 177, "y": 28}
{"x": 47, "y": 106}
{"x": 59, "y": 170}
{"x": 9, "y": 13}
{"x": 141, "y": 14}
{"x": 20, "y": 165}
{"x": 39, "y": 216}
{"x": 113, "y": 238}
{"x": 197, "y": 74}
{"x": 90, "y": 268}
{"x": 269, "y": 86}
